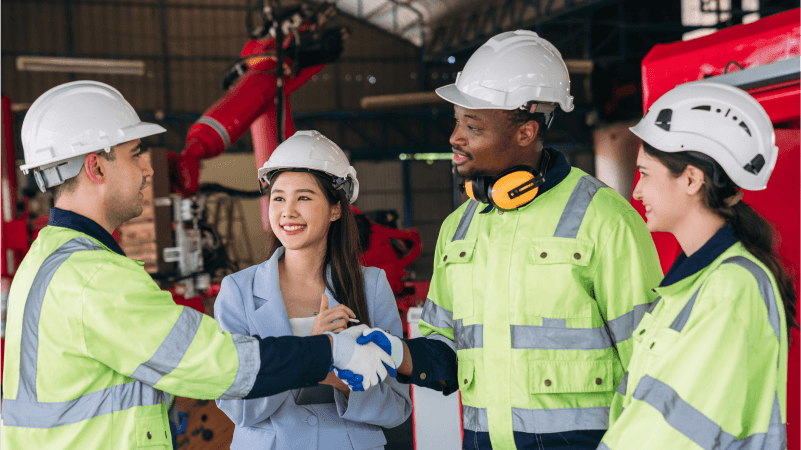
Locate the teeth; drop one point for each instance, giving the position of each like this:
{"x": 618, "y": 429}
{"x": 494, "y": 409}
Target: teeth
{"x": 293, "y": 227}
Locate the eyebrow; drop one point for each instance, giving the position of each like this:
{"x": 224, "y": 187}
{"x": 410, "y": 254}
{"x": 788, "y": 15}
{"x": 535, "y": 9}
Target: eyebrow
{"x": 137, "y": 149}
{"x": 297, "y": 191}
{"x": 639, "y": 167}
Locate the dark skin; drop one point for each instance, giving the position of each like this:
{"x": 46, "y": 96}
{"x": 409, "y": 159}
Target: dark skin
{"x": 487, "y": 143}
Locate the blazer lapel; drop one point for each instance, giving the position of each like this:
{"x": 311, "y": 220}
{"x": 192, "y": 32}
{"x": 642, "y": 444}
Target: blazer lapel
{"x": 269, "y": 317}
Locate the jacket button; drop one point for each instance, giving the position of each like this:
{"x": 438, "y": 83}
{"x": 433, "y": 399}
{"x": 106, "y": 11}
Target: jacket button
{"x": 500, "y": 211}
{"x": 461, "y": 255}
{"x": 543, "y": 255}
{"x": 423, "y": 376}
{"x": 465, "y": 381}
{"x": 149, "y": 436}
{"x": 312, "y": 420}
{"x": 642, "y": 331}
{"x": 598, "y": 381}
{"x": 577, "y": 256}
{"x": 547, "y": 382}
{"x": 445, "y": 258}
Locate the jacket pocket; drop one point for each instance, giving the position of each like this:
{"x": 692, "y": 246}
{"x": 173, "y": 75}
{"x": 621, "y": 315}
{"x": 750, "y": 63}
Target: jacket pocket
{"x": 151, "y": 432}
{"x": 558, "y": 286}
{"x": 551, "y": 377}
{"x": 456, "y": 259}
{"x": 465, "y": 372}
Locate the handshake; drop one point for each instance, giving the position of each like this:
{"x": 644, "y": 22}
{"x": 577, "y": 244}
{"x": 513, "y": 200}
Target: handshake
{"x": 362, "y": 356}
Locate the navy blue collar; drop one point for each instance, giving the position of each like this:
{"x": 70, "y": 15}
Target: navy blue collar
{"x": 557, "y": 171}
{"x": 68, "y": 219}
{"x": 683, "y": 267}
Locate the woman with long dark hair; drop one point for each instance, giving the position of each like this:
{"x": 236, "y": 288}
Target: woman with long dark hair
{"x": 709, "y": 367}
{"x": 312, "y": 284}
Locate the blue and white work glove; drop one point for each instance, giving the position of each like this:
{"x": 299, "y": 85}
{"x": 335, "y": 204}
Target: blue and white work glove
{"x": 359, "y": 366}
{"x": 386, "y": 342}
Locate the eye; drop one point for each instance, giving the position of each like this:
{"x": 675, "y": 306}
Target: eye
{"x": 278, "y": 199}
{"x": 303, "y": 197}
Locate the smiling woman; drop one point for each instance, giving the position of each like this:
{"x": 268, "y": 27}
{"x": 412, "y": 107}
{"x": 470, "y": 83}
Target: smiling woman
{"x": 312, "y": 284}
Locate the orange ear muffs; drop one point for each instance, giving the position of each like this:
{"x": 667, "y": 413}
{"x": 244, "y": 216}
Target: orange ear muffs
{"x": 511, "y": 189}
{"x": 514, "y": 189}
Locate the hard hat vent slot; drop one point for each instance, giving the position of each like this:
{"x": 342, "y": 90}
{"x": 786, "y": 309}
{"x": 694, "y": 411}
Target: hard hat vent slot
{"x": 703, "y": 107}
{"x": 745, "y": 127}
{"x": 755, "y": 165}
{"x": 663, "y": 119}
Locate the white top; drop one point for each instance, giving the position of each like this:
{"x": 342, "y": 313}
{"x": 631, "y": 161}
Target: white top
{"x": 302, "y": 326}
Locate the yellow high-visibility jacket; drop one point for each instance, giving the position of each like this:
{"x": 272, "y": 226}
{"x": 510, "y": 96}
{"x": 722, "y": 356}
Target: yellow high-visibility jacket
{"x": 539, "y": 304}
{"x": 709, "y": 369}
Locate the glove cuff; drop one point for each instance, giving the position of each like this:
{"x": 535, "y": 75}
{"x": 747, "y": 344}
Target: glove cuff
{"x": 342, "y": 349}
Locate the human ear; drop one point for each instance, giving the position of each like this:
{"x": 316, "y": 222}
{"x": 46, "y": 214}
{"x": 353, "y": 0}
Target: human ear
{"x": 527, "y": 133}
{"x": 336, "y": 212}
{"x": 694, "y": 178}
{"x": 94, "y": 167}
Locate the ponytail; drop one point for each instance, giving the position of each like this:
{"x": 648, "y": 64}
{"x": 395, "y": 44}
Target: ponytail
{"x": 754, "y": 231}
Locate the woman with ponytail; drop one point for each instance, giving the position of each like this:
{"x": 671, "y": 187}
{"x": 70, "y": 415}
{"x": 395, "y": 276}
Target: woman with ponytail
{"x": 312, "y": 284}
{"x": 709, "y": 367}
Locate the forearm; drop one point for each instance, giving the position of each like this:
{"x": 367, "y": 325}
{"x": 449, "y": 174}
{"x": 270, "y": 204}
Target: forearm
{"x": 290, "y": 362}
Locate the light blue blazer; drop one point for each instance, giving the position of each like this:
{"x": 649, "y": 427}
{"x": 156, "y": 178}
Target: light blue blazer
{"x": 250, "y": 303}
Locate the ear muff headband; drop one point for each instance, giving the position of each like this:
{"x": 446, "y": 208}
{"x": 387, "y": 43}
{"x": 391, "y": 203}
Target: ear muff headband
{"x": 511, "y": 189}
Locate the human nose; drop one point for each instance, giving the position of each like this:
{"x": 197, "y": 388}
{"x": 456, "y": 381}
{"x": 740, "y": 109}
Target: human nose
{"x": 147, "y": 169}
{"x": 637, "y": 194}
{"x": 457, "y": 138}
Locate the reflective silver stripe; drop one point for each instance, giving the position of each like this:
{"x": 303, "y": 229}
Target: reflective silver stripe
{"x": 775, "y": 438}
{"x": 554, "y": 323}
{"x": 247, "y": 348}
{"x": 576, "y": 207}
{"x": 20, "y": 413}
{"x": 765, "y": 288}
{"x": 621, "y": 389}
{"x": 468, "y": 336}
{"x": 443, "y": 339}
{"x": 534, "y": 337}
{"x": 475, "y": 419}
{"x": 622, "y": 327}
{"x": 603, "y": 446}
{"x": 542, "y": 420}
{"x": 464, "y": 222}
{"x": 172, "y": 349}
{"x": 436, "y": 315}
{"x": 29, "y": 342}
{"x": 681, "y": 415}
{"x": 684, "y": 314}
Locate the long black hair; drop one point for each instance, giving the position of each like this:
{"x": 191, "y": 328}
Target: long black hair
{"x": 341, "y": 254}
{"x": 754, "y": 231}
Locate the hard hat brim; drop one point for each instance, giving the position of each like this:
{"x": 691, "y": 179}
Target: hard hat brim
{"x": 452, "y": 94}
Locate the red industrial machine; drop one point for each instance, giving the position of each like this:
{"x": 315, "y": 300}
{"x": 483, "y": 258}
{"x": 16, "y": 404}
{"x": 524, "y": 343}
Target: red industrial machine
{"x": 765, "y": 55}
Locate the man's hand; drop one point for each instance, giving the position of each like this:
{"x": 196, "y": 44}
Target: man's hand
{"x": 360, "y": 366}
{"x": 391, "y": 345}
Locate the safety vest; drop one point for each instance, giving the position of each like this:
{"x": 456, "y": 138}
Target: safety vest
{"x": 92, "y": 344}
{"x": 539, "y": 304}
{"x": 709, "y": 369}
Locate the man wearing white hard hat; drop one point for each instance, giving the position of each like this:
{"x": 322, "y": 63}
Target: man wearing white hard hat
{"x": 92, "y": 345}
{"x": 539, "y": 278}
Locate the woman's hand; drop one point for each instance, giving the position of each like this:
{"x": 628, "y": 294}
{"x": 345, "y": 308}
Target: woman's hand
{"x": 331, "y": 319}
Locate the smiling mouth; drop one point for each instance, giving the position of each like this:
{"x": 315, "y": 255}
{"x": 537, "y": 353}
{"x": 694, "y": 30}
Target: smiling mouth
{"x": 292, "y": 227}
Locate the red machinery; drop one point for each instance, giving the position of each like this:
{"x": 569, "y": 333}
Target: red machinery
{"x": 764, "y": 50}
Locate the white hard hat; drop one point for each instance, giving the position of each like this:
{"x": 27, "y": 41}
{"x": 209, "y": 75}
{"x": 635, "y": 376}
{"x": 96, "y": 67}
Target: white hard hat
{"x": 509, "y": 71}
{"x": 311, "y": 151}
{"x": 721, "y": 121}
{"x": 74, "y": 119}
